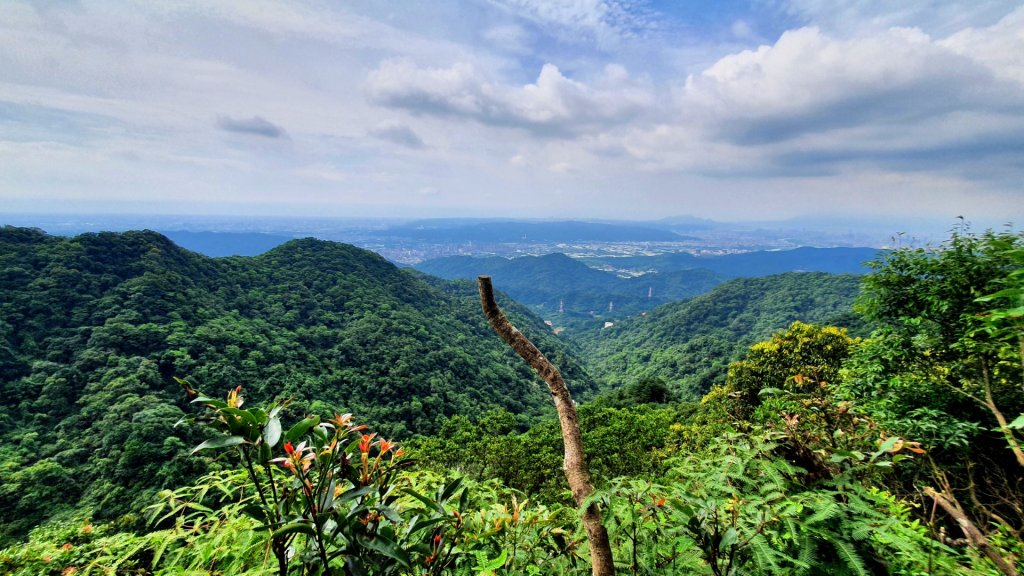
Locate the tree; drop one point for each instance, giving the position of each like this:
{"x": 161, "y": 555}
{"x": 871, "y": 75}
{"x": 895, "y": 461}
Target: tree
{"x": 945, "y": 368}
{"x": 575, "y": 462}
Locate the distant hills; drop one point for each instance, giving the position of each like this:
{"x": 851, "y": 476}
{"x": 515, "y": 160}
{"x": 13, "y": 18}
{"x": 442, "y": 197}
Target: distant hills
{"x": 839, "y": 260}
{"x": 556, "y": 281}
{"x": 690, "y": 344}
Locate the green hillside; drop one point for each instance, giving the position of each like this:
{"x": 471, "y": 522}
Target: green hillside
{"x": 94, "y": 328}
{"x": 570, "y": 293}
{"x": 691, "y": 343}
{"x": 818, "y": 453}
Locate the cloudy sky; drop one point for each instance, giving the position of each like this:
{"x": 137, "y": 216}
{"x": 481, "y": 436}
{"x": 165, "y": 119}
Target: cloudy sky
{"x": 551, "y": 108}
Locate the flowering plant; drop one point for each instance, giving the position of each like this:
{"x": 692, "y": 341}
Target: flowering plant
{"x": 330, "y": 495}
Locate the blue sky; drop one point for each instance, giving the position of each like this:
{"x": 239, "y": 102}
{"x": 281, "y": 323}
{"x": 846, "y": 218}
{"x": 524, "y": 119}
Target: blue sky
{"x": 558, "y": 108}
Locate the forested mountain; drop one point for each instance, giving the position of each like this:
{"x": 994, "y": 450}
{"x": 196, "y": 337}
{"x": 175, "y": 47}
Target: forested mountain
{"x": 896, "y": 454}
{"x": 691, "y": 343}
{"x": 557, "y": 282}
{"x": 588, "y": 296}
{"x": 94, "y": 328}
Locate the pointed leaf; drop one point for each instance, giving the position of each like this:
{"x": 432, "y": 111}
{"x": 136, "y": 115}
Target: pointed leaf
{"x": 272, "y": 432}
{"x": 294, "y": 528}
{"x": 219, "y": 442}
{"x": 300, "y": 429}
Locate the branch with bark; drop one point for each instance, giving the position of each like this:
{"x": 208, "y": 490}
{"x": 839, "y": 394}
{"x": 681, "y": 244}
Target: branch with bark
{"x": 575, "y": 463}
{"x": 975, "y": 538}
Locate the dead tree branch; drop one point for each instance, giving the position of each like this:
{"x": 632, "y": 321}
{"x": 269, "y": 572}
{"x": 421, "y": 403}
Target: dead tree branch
{"x": 575, "y": 464}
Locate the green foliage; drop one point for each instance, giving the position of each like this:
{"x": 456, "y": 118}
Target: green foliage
{"x": 803, "y": 360}
{"x": 741, "y": 508}
{"x": 617, "y": 441}
{"x": 690, "y": 344}
{"x": 327, "y": 494}
{"x": 93, "y": 330}
{"x": 945, "y": 368}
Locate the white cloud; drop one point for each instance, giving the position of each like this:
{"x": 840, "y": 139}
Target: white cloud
{"x": 812, "y": 104}
{"x": 553, "y": 105}
{"x": 1000, "y": 47}
{"x": 808, "y": 82}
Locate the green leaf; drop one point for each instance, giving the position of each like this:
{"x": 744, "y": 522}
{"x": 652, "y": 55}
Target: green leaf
{"x": 300, "y": 429}
{"x": 729, "y": 538}
{"x": 212, "y": 402}
{"x": 272, "y": 432}
{"x": 1017, "y": 423}
{"x": 430, "y": 503}
{"x": 294, "y": 528}
{"x": 388, "y": 548}
{"x": 495, "y": 563}
{"x": 450, "y": 489}
{"x": 886, "y": 446}
{"x": 219, "y": 442}
{"x": 353, "y": 493}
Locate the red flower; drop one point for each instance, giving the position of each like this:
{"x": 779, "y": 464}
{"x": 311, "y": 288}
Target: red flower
{"x": 288, "y": 449}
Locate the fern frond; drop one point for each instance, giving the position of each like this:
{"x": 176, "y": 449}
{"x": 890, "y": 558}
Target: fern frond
{"x": 849, "y": 555}
{"x": 829, "y": 510}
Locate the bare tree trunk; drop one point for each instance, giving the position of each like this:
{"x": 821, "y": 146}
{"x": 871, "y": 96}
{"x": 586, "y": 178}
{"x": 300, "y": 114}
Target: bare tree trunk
{"x": 575, "y": 464}
{"x": 974, "y": 536}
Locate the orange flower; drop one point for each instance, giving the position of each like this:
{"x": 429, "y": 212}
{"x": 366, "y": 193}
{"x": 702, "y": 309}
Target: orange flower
{"x": 364, "y": 444}
{"x": 341, "y": 420}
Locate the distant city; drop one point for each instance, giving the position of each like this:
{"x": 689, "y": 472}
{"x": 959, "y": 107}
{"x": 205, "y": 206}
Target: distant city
{"x": 409, "y": 242}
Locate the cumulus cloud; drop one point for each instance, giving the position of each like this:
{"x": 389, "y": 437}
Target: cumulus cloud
{"x": 397, "y": 134}
{"x": 255, "y": 126}
{"x": 808, "y": 82}
{"x": 812, "y": 104}
{"x": 553, "y": 105}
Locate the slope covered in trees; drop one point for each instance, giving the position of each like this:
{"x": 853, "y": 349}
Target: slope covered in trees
{"x": 689, "y": 344}
{"x": 93, "y": 329}
{"x": 570, "y": 293}
{"x": 587, "y": 297}
{"x": 816, "y": 453}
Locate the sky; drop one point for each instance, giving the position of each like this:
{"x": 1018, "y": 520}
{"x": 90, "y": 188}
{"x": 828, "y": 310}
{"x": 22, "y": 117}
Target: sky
{"x": 766, "y": 109}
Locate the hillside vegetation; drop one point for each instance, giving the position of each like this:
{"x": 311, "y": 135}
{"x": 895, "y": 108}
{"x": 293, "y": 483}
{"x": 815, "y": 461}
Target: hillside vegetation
{"x": 571, "y": 293}
{"x": 94, "y": 328}
{"x": 690, "y": 344}
{"x": 897, "y": 450}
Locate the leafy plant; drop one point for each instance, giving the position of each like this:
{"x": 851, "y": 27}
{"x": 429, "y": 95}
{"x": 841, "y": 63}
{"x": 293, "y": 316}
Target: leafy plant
{"x": 329, "y": 494}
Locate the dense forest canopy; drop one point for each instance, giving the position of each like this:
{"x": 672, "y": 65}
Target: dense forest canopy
{"x": 94, "y": 328}
{"x": 889, "y": 443}
{"x": 690, "y": 343}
